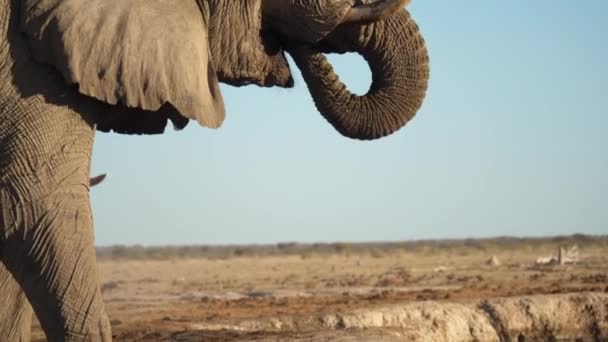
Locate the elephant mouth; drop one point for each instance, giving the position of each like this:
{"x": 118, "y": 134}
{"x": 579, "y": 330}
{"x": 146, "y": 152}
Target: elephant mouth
{"x": 279, "y": 71}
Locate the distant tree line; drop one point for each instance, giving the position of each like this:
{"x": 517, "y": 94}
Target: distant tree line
{"x": 138, "y": 252}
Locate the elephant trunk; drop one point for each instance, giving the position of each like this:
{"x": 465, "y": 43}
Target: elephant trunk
{"x": 398, "y": 59}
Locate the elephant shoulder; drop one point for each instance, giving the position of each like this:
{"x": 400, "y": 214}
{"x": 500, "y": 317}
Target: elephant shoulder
{"x": 142, "y": 54}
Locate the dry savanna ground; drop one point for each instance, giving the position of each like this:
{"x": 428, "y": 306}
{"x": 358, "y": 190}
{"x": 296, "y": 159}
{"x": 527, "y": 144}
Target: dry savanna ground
{"x": 357, "y": 292}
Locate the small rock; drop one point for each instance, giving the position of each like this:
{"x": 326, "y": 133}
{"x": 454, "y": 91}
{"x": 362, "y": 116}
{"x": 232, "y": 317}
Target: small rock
{"x": 109, "y": 286}
{"x": 276, "y": 324}
{"x": 440, "y": 269}
{"x": 115, "y": 322}
{"x": 493, "y": 261}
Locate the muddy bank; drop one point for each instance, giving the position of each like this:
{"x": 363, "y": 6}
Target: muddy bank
{"x": 569, "y": 317}
{"x": 536, "y": 318}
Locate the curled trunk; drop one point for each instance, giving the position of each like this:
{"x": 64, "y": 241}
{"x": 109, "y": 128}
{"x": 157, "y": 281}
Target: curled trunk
{"x": 397, "y": 56}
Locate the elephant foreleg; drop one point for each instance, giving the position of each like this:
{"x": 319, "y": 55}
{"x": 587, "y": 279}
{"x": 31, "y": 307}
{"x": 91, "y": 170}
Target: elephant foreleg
{"x": 15, "y": 311}
{"x": 46, "y": 240}
{"x": 53, "y": 259}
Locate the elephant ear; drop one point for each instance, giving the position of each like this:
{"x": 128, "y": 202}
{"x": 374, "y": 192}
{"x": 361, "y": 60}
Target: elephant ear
{"x": 137, "y": 53}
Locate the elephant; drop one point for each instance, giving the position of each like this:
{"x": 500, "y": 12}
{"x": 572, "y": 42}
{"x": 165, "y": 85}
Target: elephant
{"x": 69, "y": 68}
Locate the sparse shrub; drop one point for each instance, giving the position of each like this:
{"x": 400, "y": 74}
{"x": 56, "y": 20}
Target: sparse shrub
{"x": 119, "y": 252}
{"x": 240, "y": 252}
{"x": 341, "y": 248}
{"x": 377, "y": 253}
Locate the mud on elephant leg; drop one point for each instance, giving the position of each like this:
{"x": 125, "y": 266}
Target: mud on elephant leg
{"x": 15, "y": 311}
{"x": 52, "y": 257}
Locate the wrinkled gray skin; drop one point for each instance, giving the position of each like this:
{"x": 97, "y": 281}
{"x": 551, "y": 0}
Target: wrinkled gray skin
{"x": 70, "y": 67}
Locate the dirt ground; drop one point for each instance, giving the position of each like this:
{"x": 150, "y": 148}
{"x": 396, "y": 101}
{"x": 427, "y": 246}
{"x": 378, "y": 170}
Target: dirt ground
{"x": 297, "y": 297}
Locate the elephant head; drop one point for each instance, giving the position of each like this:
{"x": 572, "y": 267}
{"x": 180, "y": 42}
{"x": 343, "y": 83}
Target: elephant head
{"x": 161, "y": 60}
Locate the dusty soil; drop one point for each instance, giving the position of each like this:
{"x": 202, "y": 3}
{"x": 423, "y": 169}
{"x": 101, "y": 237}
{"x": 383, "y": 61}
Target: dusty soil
{"x": 363, "y": 296}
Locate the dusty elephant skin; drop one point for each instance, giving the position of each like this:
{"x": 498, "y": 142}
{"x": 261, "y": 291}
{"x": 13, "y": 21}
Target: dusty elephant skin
{"x": 70, "y": 67}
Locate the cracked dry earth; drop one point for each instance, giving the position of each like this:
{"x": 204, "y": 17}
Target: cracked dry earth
{"x": 424, "y": 294}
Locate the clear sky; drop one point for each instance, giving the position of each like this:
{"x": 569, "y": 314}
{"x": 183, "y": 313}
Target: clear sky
{"x": 512, "y": 140}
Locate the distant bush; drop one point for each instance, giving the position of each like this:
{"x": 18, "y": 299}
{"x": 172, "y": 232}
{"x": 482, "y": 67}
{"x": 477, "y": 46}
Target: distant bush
{"x": 341, "y": 247}
{"x": 377, "y": 253}
{"x": 375, "y": 249}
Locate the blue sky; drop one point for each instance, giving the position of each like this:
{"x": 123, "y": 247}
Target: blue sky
{"x": 512, "y": 140}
